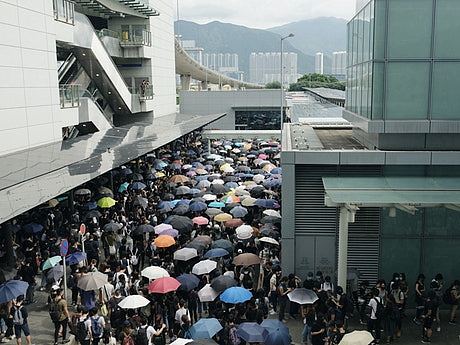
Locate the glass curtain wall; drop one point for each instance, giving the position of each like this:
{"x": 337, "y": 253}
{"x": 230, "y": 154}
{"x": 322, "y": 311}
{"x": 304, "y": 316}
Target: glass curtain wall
{"x": 404, "y": 60}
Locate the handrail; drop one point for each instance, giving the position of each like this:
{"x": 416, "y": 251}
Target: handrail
{"x": 108, "y": 33}
{"x": 64, "y": 68}
{"x": 145, "y": 39}
{"x": 69, "y": 96}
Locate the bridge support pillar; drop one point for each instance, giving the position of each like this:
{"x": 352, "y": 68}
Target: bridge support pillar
{"x": 185, "y": 82}
{"x": 204, "y": 85}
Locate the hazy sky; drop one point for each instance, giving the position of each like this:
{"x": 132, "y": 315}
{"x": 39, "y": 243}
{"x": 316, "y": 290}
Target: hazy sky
{"x": 263, "y": 13}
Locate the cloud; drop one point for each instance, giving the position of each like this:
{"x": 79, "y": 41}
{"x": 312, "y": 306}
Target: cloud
{"x": 263, "y": 13}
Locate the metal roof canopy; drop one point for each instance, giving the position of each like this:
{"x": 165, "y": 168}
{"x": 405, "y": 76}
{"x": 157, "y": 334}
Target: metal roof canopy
{"x": 405, "y": 193}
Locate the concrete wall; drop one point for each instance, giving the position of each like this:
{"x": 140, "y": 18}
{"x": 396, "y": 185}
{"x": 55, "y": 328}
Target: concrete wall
{"x": 30, "y": 114}
{"x": 214, "y": 102}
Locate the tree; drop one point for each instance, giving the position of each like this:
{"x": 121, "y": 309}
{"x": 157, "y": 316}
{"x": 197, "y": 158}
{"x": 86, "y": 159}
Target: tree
{"x": 315, "y": 80}
{"x": 273, "y": 85}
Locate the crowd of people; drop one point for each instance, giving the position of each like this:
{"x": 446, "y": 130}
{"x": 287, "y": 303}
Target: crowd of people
{"x": 184, "y": 243}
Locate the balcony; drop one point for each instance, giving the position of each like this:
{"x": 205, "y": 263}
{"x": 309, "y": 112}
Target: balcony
{"x": 136, "y": 38}
{"x": 146, "y": 92}
{"x": 69, "y": 96}
{"x": 64, "y": 11}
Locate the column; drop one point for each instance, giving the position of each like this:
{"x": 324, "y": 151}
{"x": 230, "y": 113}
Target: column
{"x": 343, "y": 249}
{"x": 204, "y": 85}
{"x": 288, "y": 252}
{"x": 185, "y": 82}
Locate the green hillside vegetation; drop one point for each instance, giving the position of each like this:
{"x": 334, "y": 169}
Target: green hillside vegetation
{"x": 317, "y": 80}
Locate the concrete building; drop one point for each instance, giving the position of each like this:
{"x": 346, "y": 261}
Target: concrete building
{"x": 339, "y": 65}
{"x": 245, "y": 109}
{"x": 85, "y": 86}
{"x": 319, "y": 63}
{"x": 384, "y": 195}
{"x": 265, "y": 68}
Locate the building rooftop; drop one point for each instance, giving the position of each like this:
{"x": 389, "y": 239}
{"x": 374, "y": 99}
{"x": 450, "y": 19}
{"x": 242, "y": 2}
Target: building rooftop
{"x": 306, "y": 105}
{"x": 327, "y": 93}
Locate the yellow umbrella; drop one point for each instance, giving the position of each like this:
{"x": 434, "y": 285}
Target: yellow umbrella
{"x": 247, "y": 146}
{"x": 160, "y": 174}
{"x": 223, "y": 217}
{"x": 53, "y": 203}
{"x": 225, "y": 167}
{"x": 268, "y": 167}
{"x": 106, "y": 202}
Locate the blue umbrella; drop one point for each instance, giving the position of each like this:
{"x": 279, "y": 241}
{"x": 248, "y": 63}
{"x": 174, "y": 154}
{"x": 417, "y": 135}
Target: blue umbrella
{"x": 278, "y": 338}
{"x": 123, "y": 187}
{"x": 252, "y": 332}
{"x": 216, "y": 253}
{"x": 224, "y": 244}
{"x": 231, "y": 185}
{"x": 276, "y": 171}
{"x": 200, "y": 178}
{"x": 138, "y": 185}
{"x": 188, "y": 281}
{"x": 91, "y": 205}
{"x": 205, "y": 328}
{"x": 33, "y": 228}
{"x": 217, "y": 204}
{"x": 194, "y": 191}
{"x": 235, "y": 295}
{"x": 198, "y": 206}
{"x": 12, "y": 289}
{"x": 185, "y": 202}
{"x": 273, "y": 325}
{"x": 165, "y": 206}
{"x": 159, "y": 164}
{"x": 239, "y": 212}
{"x": 266, "y": 203}
{"x": 75, "y": 258}
{"x": 126, "y": 171}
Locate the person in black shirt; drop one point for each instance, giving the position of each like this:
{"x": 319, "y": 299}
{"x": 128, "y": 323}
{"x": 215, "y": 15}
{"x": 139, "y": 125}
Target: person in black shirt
{"x": 429, "y": 313}
{"x": 318, "y": 331}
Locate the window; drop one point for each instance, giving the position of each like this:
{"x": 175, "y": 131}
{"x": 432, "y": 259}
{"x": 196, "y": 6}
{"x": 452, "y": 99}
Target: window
{"x": 407, "y": 90}
{"x": 447, "y": 45}
{"x": 379, "y": 29}
{"x": 409, "y": 29}
{"x": 257, "y": 119}
{"x": 378, "y": 75}
{"x": 445, "y": 94}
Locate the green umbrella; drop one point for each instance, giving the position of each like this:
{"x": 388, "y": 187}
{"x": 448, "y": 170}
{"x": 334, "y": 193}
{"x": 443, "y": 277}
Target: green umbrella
{"x": 51, "y": 262}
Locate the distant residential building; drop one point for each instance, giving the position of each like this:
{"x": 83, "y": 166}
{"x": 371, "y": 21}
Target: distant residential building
{"x": 339, "y": 65}
{"x": 319, "y": 63}
{"x": 225, "y": 63}
{"x": 195, "y": 52}
{"x": 265, "y": 68}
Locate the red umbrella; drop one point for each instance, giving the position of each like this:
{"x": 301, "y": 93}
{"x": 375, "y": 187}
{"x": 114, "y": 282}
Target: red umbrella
{"x": 201, "y": 221}
{"x": 164, "y": 285}
{"x": 234, "y": 223}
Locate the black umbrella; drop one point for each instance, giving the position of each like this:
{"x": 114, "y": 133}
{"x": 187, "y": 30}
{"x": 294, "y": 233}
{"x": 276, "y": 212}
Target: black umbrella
{"x": 270, "y": 220}
{"x": 180, "y": 210}
{"x": 168, "y": 197}
{"x": 136, "y": 177}
{"x": 224, "y": 244}
{"x": 222, "y": 283}
{"x": 144, "y": 228}
{"x": 104, "y": 192}
{"x": 142, "y": 202}
{"x": 82, "y": 191}
{"x": 257, "y": 192}
{"x": 232, "y": 178}
{"x": 112, "y": 226}
{"x": 180, "y": 223}
{"x": 218, "y": 189}
{"x": 199, "y": 246}
{"x": 93, "y": 213}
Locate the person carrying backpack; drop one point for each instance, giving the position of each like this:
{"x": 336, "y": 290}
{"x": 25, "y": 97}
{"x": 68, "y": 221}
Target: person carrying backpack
{"x": 97, "y": 327}
{"x": 144, "y": 333}
{"x": 233, "y": 338}
{"x": 60, "y": 316}
{"x": 83, "y": 327}
{"x": 452, "y": 297}
{"x": 377, "y": 309}
{"x": 19, "y": 314}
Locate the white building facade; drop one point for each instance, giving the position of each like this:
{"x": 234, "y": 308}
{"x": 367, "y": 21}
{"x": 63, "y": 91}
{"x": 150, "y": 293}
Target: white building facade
{"x": 59, "y": 69}
{"x": 265, "y": 68}
{"x": 319, "y": 63}
{"x": 339, "y": 64}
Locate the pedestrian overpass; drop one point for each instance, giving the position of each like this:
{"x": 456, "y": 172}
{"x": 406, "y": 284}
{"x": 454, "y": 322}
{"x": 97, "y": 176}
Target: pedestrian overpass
{"x": 189, "y": 69}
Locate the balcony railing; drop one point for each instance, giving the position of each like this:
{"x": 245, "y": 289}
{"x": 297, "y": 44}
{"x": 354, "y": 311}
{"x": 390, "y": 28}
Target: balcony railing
{"x": 69, "y": 96}
{"x": 139, "y": 39}
{"x": 145, "y": 92}
{"x": 108, "y": 33}
{"x": 64, "y": 11}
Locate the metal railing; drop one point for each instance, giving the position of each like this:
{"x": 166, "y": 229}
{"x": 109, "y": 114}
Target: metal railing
{"x": 144, "y": 39}
{"x": 146, "y": 92}
{"x": 69, "y": 96}
{"x": 108, "y": 33}
{"x": 64, "y": 11}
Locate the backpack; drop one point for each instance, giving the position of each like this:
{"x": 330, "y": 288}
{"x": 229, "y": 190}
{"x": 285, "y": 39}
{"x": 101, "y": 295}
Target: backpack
{"x": 233, "y": 337}
{"x": 141, "y": 336}
{"x": 81, "y": 332}
{"x": 18, "y": 319}
{"x": 134, "y": 260}
{"x": 96, "y": 327}
{"x": 380, "y": 309}
{"x": 54, "y": 311}
{"x": 447, "y": 296}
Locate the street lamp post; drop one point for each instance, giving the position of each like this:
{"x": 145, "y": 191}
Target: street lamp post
{"x": 282, "y": 85}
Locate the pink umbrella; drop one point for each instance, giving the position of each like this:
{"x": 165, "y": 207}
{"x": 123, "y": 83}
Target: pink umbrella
{"x": 200, "y": 221}
{"x": 162, "y": 227}
{"x": 191, "y": 173}
{"x": 164, "y": 285}
{"x": 263, "y": 156}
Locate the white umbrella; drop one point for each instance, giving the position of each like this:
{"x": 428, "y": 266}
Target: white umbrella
{"x": 207, "y": 294}
{"x": 250, "y": 201}
{"x": 244, "y": 232}
{"x": 218, "y": 181}
{"x": 357, "y": 338}
{"x": 154, "y": 272}
{"x": 204, "y": 267}
{"x": 272, "y": 213}
{"x": 209, "y": 197}
{"x": 185, "y": 254}
{"x": 258, "y": 178}
{"x": 269, "y": 240}
{"x": 133, "y": 302}
{"x": 302, "y": 296}
{"x": 181, "y": 341}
